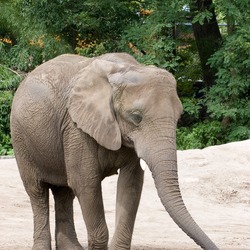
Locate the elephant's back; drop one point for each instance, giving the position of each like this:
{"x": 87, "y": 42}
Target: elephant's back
{"x": 37, "y": 96}
{"x": 38, "y": 110}
{"x": 45, "y": 90}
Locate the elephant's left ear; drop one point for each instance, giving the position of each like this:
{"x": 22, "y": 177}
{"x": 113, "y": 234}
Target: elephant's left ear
{"x": 90, "y": 104}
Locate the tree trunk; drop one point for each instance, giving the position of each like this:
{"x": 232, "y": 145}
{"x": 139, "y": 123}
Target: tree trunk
{"x": 208, "y": 38}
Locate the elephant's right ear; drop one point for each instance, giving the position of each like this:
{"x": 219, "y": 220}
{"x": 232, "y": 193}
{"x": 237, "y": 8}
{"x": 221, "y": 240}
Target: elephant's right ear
{"x": 90, "y": 103}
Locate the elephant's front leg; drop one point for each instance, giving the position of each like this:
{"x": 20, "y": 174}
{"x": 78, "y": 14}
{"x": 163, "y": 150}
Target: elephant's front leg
{"x": 91, "y": 202}
{"x": 129, "y": 188}
{"x": 84, "y": 179}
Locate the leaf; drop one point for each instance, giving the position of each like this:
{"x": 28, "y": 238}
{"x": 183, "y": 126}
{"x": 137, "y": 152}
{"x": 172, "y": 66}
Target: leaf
{"x": 203, "y": 16}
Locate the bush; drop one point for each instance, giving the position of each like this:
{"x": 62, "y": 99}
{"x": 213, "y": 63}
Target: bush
{"x": 5, "y": 107}
{"x": 201, "y": 135}
{"x": 8, "y": 83}
{"x": 228, "y": 100}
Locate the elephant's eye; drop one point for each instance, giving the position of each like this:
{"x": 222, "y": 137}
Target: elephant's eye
{"x": 136, "y": 117}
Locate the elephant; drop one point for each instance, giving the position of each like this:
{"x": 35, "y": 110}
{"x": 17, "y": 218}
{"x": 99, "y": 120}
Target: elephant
{"x": 76, "y": 120}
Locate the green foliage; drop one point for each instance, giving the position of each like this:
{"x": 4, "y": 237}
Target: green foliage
{"x": 91, "y": 50}
{"x": 151, "y": 46}
{"x": 6, "y": 145}
{"x": 236, "y": 10}
{"x": 151, "y": 40}
{"x": 9, "y": 81}
{"x": 202, "y": 16}
{"x": 154, "y": 32}
{"x": 189, "y": 68}
{"x": 45, "y": 29}
{"x": 200, "y": 135}
{"x": 5, "y": 103}
{"x": 31, "y": 41}
{"x": 28, "y": 54}
{"x": 190, "y": 93}
{"x": 191, "y": 107}
{"x": 228, "y": 100}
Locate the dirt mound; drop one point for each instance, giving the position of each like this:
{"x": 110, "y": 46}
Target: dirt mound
{"x": 215, "y": 184}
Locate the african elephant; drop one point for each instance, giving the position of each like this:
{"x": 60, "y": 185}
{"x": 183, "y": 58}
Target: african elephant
{"x": 77, "y": 120}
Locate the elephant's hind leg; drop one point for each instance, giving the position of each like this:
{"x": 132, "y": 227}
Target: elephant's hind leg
{"x": 65, "y": 230}
{"x": 39, "y": 198}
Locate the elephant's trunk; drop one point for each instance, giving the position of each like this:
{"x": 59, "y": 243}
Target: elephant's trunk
{"x": 163, "y": 165}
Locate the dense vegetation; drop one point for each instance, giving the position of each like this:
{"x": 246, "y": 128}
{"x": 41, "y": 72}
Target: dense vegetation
{"x": 204, "y": 43}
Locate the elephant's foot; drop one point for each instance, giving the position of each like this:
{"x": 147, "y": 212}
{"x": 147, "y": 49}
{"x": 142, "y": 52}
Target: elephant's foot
{"x": 116, "y": 244}
{"x": 94, "y": 246}
{"x": 68, "y": 245}
{"x": 73, "y": 247}
{"x": 67, "y": 241}
{"x": 41, "y": 246}
{"x": 119, "y": 247}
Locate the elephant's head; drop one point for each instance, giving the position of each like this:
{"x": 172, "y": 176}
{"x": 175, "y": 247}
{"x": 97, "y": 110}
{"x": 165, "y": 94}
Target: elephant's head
{"x": 126, "y": 103}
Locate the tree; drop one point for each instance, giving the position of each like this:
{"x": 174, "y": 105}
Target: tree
{"x": 207, "y": 36}
{"x": 228, "y": 100}
{"x": 181, "y": 36}
{"x": 44, "y": 29}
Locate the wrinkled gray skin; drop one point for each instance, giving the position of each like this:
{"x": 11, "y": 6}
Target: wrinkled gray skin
{"x": 75, "y": 121}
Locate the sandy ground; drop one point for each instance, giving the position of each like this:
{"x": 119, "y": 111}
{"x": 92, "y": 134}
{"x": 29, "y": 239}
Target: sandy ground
{"x": 215, "y": 184}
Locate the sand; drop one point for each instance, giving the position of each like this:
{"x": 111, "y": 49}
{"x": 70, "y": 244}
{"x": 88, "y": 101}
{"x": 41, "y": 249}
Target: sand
{"x": 215, "y": 184}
